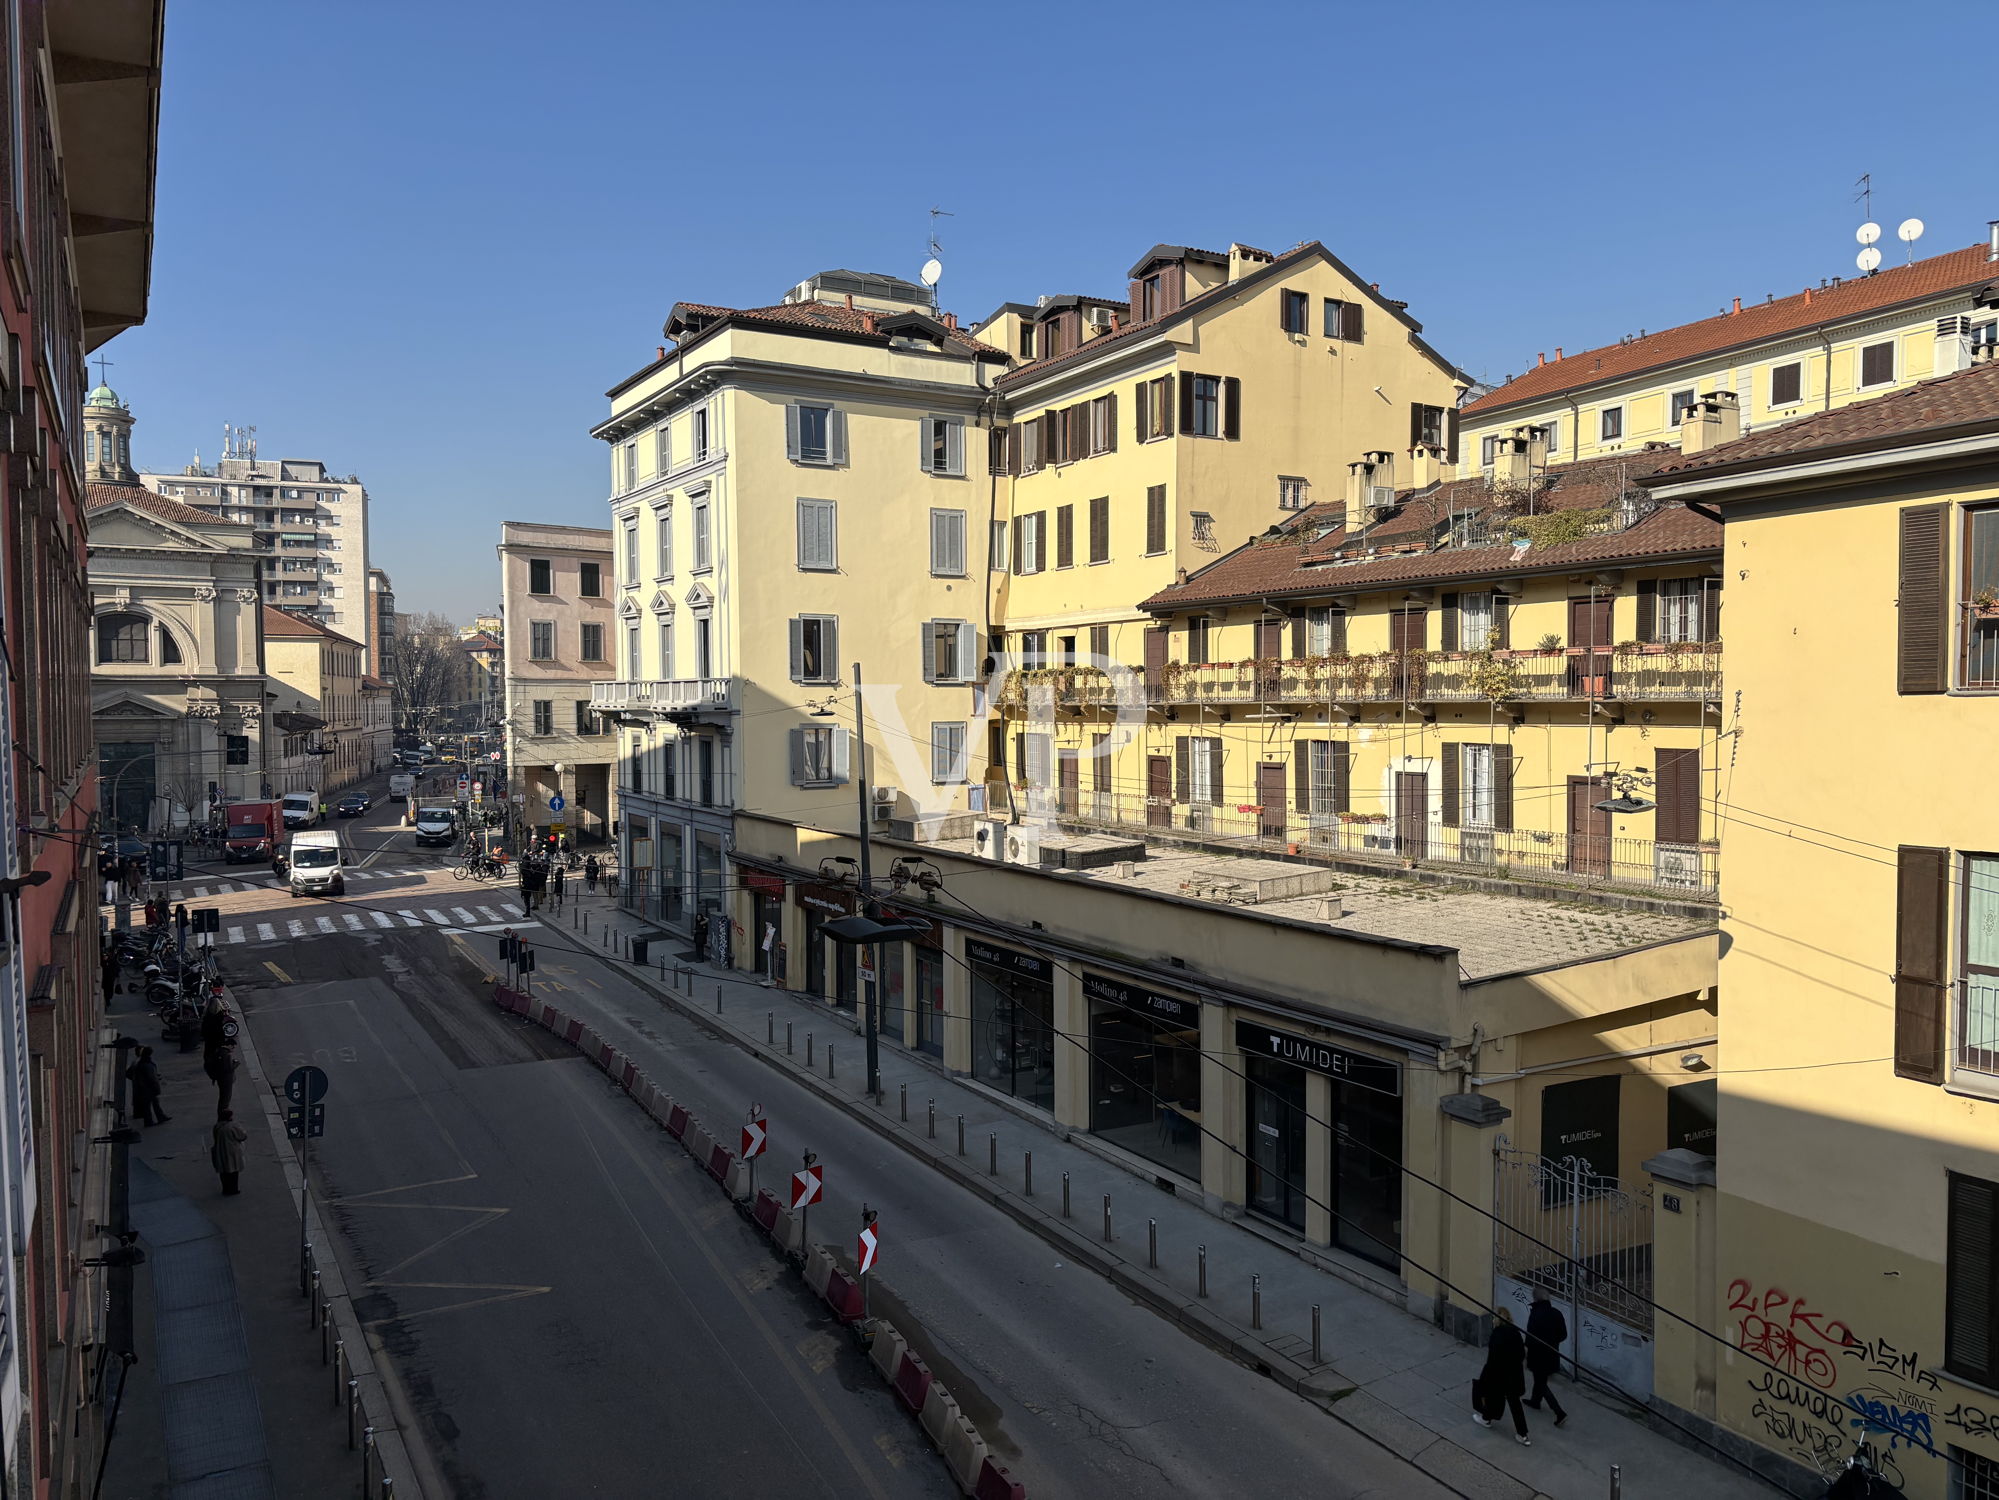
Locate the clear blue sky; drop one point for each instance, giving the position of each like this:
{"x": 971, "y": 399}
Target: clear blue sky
{"x": 420, "y": 238}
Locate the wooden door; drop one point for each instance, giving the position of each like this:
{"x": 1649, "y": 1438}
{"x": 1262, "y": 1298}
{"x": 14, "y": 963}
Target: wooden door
{"x": 1590, "y": 643}
{"x": 1412, "y": 814}
{"x": 1069, "y": 782}
{"x": 1155, "y": 662}
{"x": 1589, "y": 827}
{"x": 1270, "y": 793}
{"x": 1159, "y": 790}
{"x": 1407, "y": 637}
{"x": 1269, "y": 654}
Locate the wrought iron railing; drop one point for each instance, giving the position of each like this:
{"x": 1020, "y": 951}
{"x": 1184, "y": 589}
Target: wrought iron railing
{"x": 1690, "y": 672}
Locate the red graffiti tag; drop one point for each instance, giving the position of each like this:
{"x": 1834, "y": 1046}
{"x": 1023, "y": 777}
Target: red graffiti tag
{"x": 1784, "y": 1331}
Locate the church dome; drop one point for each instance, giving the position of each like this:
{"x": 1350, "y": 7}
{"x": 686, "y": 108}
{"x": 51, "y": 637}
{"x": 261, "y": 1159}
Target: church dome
{"x": 103, "y": 396}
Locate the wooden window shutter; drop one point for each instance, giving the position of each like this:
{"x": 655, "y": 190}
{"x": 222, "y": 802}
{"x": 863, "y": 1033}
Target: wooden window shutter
{"x": 1451, "y": 435}
{"x": 1447, "y": 627}
{"x": 1269, "y": 640}
{"x": 1155, "y": 655}
{"x": 1186, "y": 401}
{"x": 1231, "y": 408}
{"x": 1336, "y": 632}
{"x": 1648, "y": 609}
{"x": 1922, "y": 893}
{"x": 1678, "y": 776}
{"x": 1100, "y": 763}
{"x": 1301, "y": 776}
{"x": 1350, "y": 322}
{"x": 1019, "y": 756}
{"x": 1415, "y": 423}
{"x": 1971, "y": 1279}
{"x": 1502, "y": 621}
{"x": 1019, "y": 526}
{"x": 1013, "y": 449}
{"x": 1502, "y": 788}
{"x": 1710, "y": 609}
{"x": 1137, "y": 302}
{"x": 1110, "y": 423}
{"x": 1300, "y": 632}
{"x": 1172, "y": 287}
{"x": 1100, "y": 529}
{"x": 1162, "y": 400}
{"x": 836, "y": 438}
{"x": 791, "y": 432}
{"x": 1342, "y": 777}
{"x": 1180, "y": 769}
{"x": 1155, "y": 518}
{"x": 1141, "y": 409}
{"x": 797, "y": 649}
{"x": 1921, "y": 627}
{"x": 1215, "y": 797}
{"x": 1065, "y": 536}
{"x": 1453, "y": 759}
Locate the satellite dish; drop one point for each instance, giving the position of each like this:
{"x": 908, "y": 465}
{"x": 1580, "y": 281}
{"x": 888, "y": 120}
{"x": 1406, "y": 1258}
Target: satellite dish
{"x": 1868, "y": 259}
{"x": 1868, "y": 233}
{"x": 932, "y": 272}
{"x": 1909, "y": 231}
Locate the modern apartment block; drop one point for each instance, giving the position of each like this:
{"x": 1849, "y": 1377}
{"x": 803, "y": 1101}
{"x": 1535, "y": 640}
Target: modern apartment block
{"x": 382, "y": 612}
{"x": 314, "y": 523}
{"x": 559, "y": 617}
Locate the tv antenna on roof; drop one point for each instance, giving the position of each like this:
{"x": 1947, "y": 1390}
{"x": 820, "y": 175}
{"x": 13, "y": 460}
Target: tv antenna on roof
{"x": 933, "y": 268}
{"x": 1909, "y": 231}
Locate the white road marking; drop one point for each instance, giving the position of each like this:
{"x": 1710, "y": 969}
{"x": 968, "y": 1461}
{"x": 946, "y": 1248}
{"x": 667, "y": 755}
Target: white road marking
{"x": 410, "y": 917}
{"x": 325, "y": 924}
{"x": 489, "y": 914}
{"x": 382, "y": 919}
{"x": 437, "y": 916}
{"x": 511, "y": 910}
{"x": 295, "y": 928}
{"x": 463, "y": 915}
{"x": 225, "y": 888}
{"x": 504, "y": 926}
{"x": 235, "y": 934}
{"x": 353, "y": 921}
{"x": 199, "y": 891}
{"x": 266, "y": 933}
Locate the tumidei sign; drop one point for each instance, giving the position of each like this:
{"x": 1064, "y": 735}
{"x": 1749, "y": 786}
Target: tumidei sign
{"x": 1361, "y": 1068}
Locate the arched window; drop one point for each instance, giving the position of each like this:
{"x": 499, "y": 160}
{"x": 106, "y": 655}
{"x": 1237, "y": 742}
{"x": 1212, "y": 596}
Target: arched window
{"x": 122, "y": 638}
{"x": 169, "y": 647}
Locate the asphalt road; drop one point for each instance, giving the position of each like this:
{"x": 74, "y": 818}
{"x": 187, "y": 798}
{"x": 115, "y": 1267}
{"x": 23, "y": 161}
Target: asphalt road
{"x": 571, "y": 1308}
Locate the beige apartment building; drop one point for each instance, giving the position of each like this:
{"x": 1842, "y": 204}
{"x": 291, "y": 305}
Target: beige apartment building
{"x": 324, "y": 733}
{"x": 558, "y": 624}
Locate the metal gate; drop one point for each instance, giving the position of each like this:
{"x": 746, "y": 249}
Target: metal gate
{"x": 1588, "y": 1241}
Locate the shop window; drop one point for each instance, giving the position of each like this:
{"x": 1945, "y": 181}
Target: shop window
{"x": 1013, "y": 1009}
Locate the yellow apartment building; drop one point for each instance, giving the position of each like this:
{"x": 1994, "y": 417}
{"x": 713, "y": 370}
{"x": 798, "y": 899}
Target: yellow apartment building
{"x": 1840, "y": 1254}
{"x": 1849, "y": 339}
{"x": 1145, "y": 438}
{"x": 327, "y": 720}
{"x": 795, "y": 488}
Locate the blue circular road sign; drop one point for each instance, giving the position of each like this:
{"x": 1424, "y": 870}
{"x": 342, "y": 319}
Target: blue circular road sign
{"x": 556, "y": 804}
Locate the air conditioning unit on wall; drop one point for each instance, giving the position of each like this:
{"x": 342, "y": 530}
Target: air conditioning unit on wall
{"x": 1023, "y": 846}
{"x": 989, "y": 838}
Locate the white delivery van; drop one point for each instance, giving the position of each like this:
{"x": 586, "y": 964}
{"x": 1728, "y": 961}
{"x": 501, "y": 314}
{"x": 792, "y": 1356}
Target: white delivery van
{"x": 302, "y": 808}
{"x": 317, "y": 863}
{"x": 400, "y": 786}
{"x": 436, "y": 825}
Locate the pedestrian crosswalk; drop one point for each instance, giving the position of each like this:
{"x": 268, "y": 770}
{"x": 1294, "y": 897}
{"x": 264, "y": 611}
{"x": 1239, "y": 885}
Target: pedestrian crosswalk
{"x": 231, "y": 887}
{"x": 368, "y": 920}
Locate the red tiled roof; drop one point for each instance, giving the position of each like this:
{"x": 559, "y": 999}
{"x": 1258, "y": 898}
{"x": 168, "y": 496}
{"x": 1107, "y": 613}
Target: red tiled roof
{"x": 373, "y": 684}
{"x": 104, "y": 496}
{"x": 278, "y": 622}
{"x": 828, "y": 317}
{"x": 1294, "y": 565}
{"x": 1966, "y": 399}
{"x": 1957, "y": 270}
{"x": 479, "y": 642}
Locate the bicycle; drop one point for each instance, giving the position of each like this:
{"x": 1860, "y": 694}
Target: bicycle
{"x": 481, "y": 868}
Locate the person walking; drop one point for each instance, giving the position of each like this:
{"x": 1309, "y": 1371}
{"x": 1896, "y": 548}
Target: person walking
{"x": 1504, "y": 1378}
{"x": 144, "y": 1074}
{"x": 590, "y": 874}
{"x": 1547, "y": 1330}
{"x": 610, "y": 880}
{"x": 225, "y": 1152}
{"x": 558, "y": 880}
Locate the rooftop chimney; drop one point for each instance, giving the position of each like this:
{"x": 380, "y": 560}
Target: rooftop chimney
{"x": 850, "y": 302}
{"x": 1953, "y": 345}
{"x": 1558, "y": 354}
{"x": 1992, "y": 246}
{"x": 951, "y": 321}
{"x": 1510, "y": 461}
{"x": 1426, "y": 465}
{"x": 1540, "y": 359}
{"x": 1712, "y": 420}
{"x": 1375, "y": 472}
{"x": 1735, "y": 309}
{"x": 661, "y": 353}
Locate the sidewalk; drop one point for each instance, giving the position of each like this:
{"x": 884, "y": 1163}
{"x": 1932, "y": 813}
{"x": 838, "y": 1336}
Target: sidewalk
{"x": 229, "y": 1395}
{"x": 1396, "y": 1378}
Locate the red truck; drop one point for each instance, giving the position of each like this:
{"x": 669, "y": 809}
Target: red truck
{"x": 254, "y": 829}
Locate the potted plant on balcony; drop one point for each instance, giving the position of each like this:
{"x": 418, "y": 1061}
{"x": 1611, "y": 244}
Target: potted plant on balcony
{"x": 1549, "y": 644}
{"x": 1985, "y": 603}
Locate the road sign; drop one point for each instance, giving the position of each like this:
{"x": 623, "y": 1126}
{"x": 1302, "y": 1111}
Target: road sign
{"x": 493, "y": 756}
{"x": 207, "y": 918}
{"x": 305, "y": 1085}
{"x": 164, "y": 859}
{"x": 755, "y": 1140}
{"x": 305, "y": 1122}
{"x": 806, "y": 1187}
{"x": 558, "y": 827}
{"x": 864, "y": 1252}
{"x": 557, "y": 803}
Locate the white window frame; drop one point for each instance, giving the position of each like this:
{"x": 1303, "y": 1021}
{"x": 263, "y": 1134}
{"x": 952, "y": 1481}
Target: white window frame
{"x": 1679, "y": 615}
{"x": 1797, "y": 400}
{"x": 1030, "y": 559}
{"x": 996, "y": 548}
{"x": 701, "y": 432}
{"x": 827, "y": 630}
{"x": 1200, "y": 750}
{"x": 950, "y": 765}
{"x": 1476, "y": 805}
{"x": 543, "y": 712}
{"x": 631, "y": 554}
{"x": 822, "y": 454}
{"x": 1604, "y": 418}
{"x": 1103, "y": 425}
{"x": 1293, "y": 492}
{"x": 704, "y": 539}
{"x": 1201, "y": 630}
{"x": 666, "y": 666}
{"x": 947, "y": 543}
{"x": 948, "y": 646}
{"x": 662, "y": 521}
{"x": 1195, "y": 407}
{"x": 1676, "y": 410}
{"x": 628, "y": 471}
{"x": 1319, "y": 630}
{"x": 952, "y": 431}
{"x": 662, "y": 447}
{"x": 818, "y": 536}
{"x": 819, "y": 755}
{"x": 1471, "y": 636}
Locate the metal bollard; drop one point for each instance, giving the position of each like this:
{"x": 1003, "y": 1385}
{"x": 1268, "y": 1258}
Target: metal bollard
{"x": 1107, "y": 1216}
{"x": 662, "y": 970}
{"x": 1256, "y": 1302}
{"x": 829, "y": 1059}
{"x": 586, "y": 924}
{"x": 353, "y": 1407}
{"x": 933, "y": 1118}
{"x": 339, "y": 1369}
{"x": 961, "y": 1135}
{"x": 992, "y": 1153}
{"x": 325, "y": 1332}
{"x": 367, "y": 1457}
{"x": 1616, "y": 1482}
{"x": 718, "y": 997}
{"x": 808, "y": 1049}
{"x": 1203, "y": 1256}
{"x": 787, "y": 1038}
{"x": 312, "y": 1303}
{"x": 1152, "y": 1243}
{"x": 1317, "y": 1358}
{"x": 904, "y": 1088}
{"x": 1027, "y": 1172}
{"x": 770, "y": 1027}
{"x": 1065, "y": 1195}
{"x": 388, "y": 1488}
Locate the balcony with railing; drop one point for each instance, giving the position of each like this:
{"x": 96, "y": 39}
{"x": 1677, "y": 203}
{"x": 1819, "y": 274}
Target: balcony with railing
{"x": 1689, "y": 672}
{"x": 1685, "y": 871}
{"x": 1072, "y": 687}
{"x": 1980, "y": 645}
{"x": 708, "y": 695}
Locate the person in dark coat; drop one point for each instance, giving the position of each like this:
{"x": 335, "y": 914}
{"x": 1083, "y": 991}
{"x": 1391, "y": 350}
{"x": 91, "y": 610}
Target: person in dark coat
{"x": 590, "y": 874}
{"x": 145, "y": 1078}
{"x": 1504, "y": 1377}
{"x": 558, "y": 878}
{"x": 1547, "y": 1330}
{"x": 225, "y": 1152}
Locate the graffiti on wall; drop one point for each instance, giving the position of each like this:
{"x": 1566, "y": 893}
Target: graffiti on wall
{"x": 1820, "y": 1388}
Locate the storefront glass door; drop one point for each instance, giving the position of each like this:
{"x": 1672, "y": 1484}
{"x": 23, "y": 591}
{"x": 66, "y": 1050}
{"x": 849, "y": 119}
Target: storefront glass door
{"x": 927, "y": 968}
{"x": 1367, "y": 1173}
{"x": 1274, "y": 1107}
{"x": 1013, "y": 1014}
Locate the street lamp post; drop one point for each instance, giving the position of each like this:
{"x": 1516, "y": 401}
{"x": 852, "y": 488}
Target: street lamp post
{"x": 868, "y": 951}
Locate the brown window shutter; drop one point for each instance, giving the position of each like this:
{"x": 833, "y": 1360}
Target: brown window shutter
{"x": 1100, "y": 529}
{"x": 1336, "y": 644}
{"x": 1137, "y": 301}
{"x": 1301, "y": 776}
{"x": 1180, "y": 769}
{"x": 1020, "y": 757}
{"x": 1186, "y": 401}
{"x": 1155, "y": 518}
{"x": 1447, "y": 625}
{"x": 1502, "y": 788}
{"x": 1648, "y": 609}
{"x": 1051, "y": 438}
{"x": 1269, "y": 640}
{"x": 1922, "y": 892}
{"x": 1678, "y": 776}
{"x": 1711, "y": 609}
{"x": 1350, "y": 318}
{"x": 1450, "y": 435}
{"x": 1298, "y": 633}
{"x": 1922, "y": 665}
{"x": 1342, "y": 777}
{"x": 1502, "y": 621}
{"x": 1100, "y": 763}
{"x": 1155, "y": 656}
{"x": 1215, "y": 774}
{"x": 1013, "y": 449}
{"x": 1971, "y": 1286}
{"x": 1172, "y": 287}
{"x": 1140, "y": 410}
{"x": 1415, "y": 423}
{"x": 1453, "y": 760}
{"x": 1110, "y": 424}
{"x": 1019, "y": 525}
{"x": 1065, "y": 536}
{"x": 1162, "y": 401}
{"x": 1231, "y": 408}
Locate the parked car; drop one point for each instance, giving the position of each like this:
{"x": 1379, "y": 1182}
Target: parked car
{"x": 352, "y": 805}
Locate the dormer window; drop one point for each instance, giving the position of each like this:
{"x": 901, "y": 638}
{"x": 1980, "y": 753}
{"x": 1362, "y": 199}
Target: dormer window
{"x": 1051, "y": 338}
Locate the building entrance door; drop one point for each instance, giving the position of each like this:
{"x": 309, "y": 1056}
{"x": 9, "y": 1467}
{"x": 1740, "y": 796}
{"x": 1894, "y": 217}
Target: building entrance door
{"x": 1270, "y": 793}
{"x": 1589, "y": 827}
{"x": 1274, "y": 1124}
{"x": 1412, "y": 814}
{"x": 1069, "y": 786}
{"x": 1159, "y": 790}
